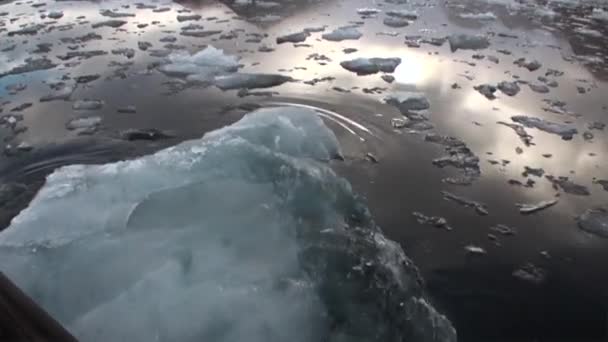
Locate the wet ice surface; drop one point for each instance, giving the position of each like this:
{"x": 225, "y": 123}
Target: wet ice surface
{"x": 288, "y": 268}
{"x": 424, "y": 124}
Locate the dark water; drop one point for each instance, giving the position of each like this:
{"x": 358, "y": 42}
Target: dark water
{"x": 478, "y": 293}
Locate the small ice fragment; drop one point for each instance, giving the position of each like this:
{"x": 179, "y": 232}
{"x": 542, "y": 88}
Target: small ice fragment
{"x": 563, "y": 130}
{"x": 406, "y": 14}
{"x": 532, "y": 208}
{"x": 408, "y": 101}
{"x": 367, "y": 66}
{"x": 509, "y": 88}
{"x": 127, "y": 52}
{"x": 478, "y": 16}
{"x": 539, "y": 88}
{"x": 594, "y": 221}
{"x": 468, "y": 42}
{"x": 435, "y": 221}
{"x": 530, "y": 273}
{"x": 115, "y": 23}
{"x": 486, "y": 90}
{"x": 296, "y": 37}
{"x": 343, "y": 33}
{"x": 480, "y": 208}
{"x": 189, "y": 17}
{"x": 127, "y": 110}
{"x": 249, "y": 81}
{"x": 144, "y": 134}
{"x": 55, "y": 14}
{"x": 395, "y": 22}
{"x": 530, "y": 65}
{"x": 143, "y": 46}
{"x": 368, "y": 11}
{"x": 112, "y": 14}
{"x": 475, "y": 250}
{"x": 83, "y": 123}
{"x": 388, "y": 78}
{"x": 87, "y": 104}
{"x": 503, "y": 229}
{"x": 568, "y": 186}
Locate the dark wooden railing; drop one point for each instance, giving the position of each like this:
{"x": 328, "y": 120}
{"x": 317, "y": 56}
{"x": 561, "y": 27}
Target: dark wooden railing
{"x": 21, "y": 319}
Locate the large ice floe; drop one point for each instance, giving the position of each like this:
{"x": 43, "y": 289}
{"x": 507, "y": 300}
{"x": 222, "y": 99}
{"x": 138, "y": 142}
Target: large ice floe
{"x": 243, "y": 235}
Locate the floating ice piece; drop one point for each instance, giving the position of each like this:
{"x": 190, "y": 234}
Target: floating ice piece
{"x": 86, "y": 54}
{"x": 509, "y": 88}
{"x": 486, "y": 90}
{"x": 568, "y": 186}
{"x": 296, "y": 37}
{"x": 368, "y": 11}
{"x": 435, "y": 221}
{"x": 200, "y": 33}
{"x": 532, "y": 208}
{"x": 62, "y": 93}
{"x": 343, "y": 33}
{"x": 83, "y": 123}
{"x": 15, "y": 88}
{"x": 459, "y": 155}
{"x": 530, "y": 65}
{"x": 563, "y": 130}
{"x": 127, "y": 52}
{"x": 599, "y": 15}
{"x": 478, "y": 16}
{"x": 531, "y": 273}
{"x": 245, "y": 229}
{"x": 143, "y": 46}
{"x": 31, "y": 65}
{"x": 520, "y": 131}
{"x": 81, "y": 39}
{"x": 87, "y": 104}
{"x": 594, "y": 221}
{"x": 249, "y": 81}
{"x": 468, "y": 42}
{"x": 538, "y": 172}
{"x": 475, "y": 250}
{"x": 395, "y": 22}
{"x": 480, "y": 208}
{"x": 367, "y": 66}
{"x": 55, "y": 15}
{"x": 205, "y": 64}
{"x": 602, "y": 182}
{"x": 539, "y": 88}
{"x": 408, "y": 101}
{"x": 115, "y": 23}
{"x": 504, "y": 229}
{"x": 189, "y": 17}
{"x": 151, "y": 134}
{"x": 112, "y": 14}
{"x": 403, "y": 13}
{"x": 131, "y": 109}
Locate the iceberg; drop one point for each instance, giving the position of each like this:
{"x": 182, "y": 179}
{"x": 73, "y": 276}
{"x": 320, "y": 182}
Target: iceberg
{"x": 244, "y": 234}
